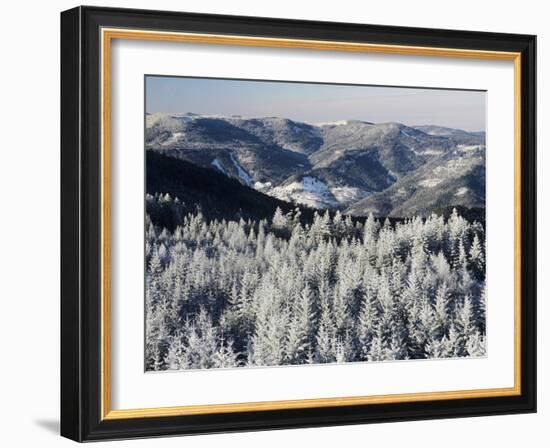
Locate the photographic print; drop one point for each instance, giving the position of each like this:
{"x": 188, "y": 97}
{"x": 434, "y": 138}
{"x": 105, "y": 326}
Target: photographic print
{"x": 292, "y": 223}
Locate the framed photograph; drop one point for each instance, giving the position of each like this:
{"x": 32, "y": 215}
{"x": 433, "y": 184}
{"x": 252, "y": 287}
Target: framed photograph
{"x": 276, "y": 224}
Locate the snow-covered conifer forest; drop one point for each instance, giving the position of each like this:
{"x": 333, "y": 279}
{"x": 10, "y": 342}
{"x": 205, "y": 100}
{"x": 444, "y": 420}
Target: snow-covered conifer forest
{"x": 224, "y": 293}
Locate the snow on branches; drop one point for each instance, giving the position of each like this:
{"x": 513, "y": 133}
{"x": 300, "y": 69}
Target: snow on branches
{"x": 225, "y": 294}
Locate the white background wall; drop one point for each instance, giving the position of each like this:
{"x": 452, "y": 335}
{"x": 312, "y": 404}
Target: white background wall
{"x": 29, "y": 247}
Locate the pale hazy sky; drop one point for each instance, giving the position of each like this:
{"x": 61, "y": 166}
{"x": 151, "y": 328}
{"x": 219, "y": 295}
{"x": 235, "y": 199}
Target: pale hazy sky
{"x": 459, "y": 109}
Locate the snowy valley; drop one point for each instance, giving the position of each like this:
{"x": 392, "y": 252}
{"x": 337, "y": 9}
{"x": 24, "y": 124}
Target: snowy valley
{"x": 273, "y": 242}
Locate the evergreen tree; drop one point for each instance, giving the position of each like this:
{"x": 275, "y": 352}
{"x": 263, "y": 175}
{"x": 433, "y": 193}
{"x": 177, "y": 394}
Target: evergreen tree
{"x": 477, "y": 258}
{"x": 300, "y": 333}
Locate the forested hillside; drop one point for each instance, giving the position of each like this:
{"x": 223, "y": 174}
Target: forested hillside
{"x": 389, "y": 169}
{"x": 279, "y": 291}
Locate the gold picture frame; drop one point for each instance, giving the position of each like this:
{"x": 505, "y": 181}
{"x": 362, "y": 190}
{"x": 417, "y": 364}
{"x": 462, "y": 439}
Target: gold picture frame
{"x": 108, "y": 30}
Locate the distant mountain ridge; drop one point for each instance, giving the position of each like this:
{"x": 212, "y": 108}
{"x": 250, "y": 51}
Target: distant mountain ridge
{"x": 359, "y": 167}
